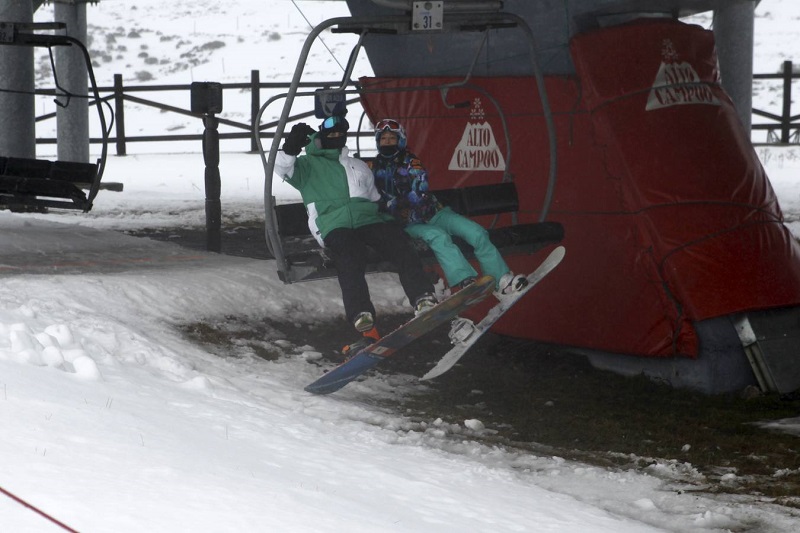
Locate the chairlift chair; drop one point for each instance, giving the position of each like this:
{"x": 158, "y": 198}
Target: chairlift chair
{"x": 297, "y": 255}
{"x": 38, "y": 184}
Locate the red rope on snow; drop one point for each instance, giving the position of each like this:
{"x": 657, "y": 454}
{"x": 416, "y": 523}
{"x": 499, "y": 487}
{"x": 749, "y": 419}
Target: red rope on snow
{"x": 31, "y": 507}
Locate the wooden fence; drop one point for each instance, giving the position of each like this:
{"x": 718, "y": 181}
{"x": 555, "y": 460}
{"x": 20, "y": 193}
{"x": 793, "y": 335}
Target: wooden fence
{"x": 784, "y": 128}
{"x": 119, "y": 94}
{"x": 781, "y": 129}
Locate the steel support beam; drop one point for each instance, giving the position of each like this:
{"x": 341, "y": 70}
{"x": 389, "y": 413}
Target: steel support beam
{"x": 72, "y": 115}
{"x": 733, "y": 32}
{"x": 17, "y": 104}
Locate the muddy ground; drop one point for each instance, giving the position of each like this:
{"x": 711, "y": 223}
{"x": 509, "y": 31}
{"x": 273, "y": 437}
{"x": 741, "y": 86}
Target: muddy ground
{"x": 540, "y": 397}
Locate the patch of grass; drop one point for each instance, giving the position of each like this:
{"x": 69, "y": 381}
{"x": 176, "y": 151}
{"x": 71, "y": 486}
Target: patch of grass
{"x": 232, "y": 337}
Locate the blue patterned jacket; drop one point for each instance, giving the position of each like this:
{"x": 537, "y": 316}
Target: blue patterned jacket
{"x": 403, "y": 184}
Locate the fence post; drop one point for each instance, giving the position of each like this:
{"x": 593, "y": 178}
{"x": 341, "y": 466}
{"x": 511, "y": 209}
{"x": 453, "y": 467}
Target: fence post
{"x": 786, "y": 115}
{"x": 207, "y": 99}
{"x": 119, "y": 112}
{"x": 255, "y": 105}
{"x": 213, "y": 183}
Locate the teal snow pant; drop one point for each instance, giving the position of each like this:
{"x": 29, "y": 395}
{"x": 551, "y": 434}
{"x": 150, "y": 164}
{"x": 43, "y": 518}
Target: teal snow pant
{"x": 437, "y": 233}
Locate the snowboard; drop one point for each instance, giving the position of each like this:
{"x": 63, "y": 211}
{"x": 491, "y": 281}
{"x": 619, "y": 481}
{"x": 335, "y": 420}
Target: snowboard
{"x": 387, "y": 346}
{"x": 494, "y": 314}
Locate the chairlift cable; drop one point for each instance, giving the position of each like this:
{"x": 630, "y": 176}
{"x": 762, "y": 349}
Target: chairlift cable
{"x": 320, "y": 38}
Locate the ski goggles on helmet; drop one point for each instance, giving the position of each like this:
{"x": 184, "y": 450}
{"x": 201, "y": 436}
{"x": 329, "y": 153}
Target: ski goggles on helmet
{"x": 389, "y": 124}
{"x": 332, "y": 121}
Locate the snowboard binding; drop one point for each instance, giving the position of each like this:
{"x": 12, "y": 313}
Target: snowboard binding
{"x": 461, "y": 330}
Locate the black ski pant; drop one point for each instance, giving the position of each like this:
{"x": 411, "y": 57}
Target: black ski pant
{"x": 348, "y": 249}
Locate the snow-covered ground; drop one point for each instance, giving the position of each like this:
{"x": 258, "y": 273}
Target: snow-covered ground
{"x": 113, "y": 421}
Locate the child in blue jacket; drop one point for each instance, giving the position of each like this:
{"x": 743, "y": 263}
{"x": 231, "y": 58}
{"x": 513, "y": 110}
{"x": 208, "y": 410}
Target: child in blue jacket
{"x": 403, "y": 183}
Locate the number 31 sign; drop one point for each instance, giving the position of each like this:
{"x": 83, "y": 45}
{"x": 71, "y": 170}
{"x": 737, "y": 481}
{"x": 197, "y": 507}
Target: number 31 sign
{"x": 427, "y": 16}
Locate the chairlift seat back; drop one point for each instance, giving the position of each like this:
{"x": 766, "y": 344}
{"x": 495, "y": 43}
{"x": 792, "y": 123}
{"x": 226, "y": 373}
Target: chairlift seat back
{"x": 27, "y": 184}
{"x": 308, "y": 262}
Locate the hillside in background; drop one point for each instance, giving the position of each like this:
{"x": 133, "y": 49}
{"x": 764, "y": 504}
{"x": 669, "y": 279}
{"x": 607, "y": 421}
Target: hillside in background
{"x": 154, "y": 43}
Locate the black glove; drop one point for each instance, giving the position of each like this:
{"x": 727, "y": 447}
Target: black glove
{"x": 297, "y": 138}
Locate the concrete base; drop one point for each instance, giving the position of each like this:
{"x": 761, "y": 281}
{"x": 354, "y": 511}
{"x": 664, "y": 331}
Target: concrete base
{"x": 722, "y": 366}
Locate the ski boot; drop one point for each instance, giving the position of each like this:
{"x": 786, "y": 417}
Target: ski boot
{"x": 510, "y": 284}
{"x": 424, "y": 303}
{"x": 369, "y": 337}
{"x": 364, "y": 322}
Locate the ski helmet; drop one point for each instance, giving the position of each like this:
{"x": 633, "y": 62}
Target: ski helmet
{"x": 333, "y": 124}
{"x": 389, "y": 124}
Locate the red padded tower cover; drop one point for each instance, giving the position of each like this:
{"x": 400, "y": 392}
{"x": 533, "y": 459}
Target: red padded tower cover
{"x": 669, "y": 217}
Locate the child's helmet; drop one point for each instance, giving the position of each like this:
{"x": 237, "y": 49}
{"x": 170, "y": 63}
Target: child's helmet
{"x": 390, "y": 124}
